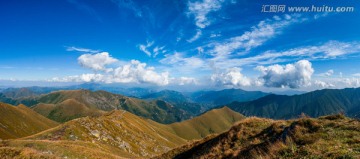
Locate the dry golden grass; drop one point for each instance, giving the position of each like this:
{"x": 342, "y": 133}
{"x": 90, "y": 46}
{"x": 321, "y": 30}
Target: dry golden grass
{"x": 326, "y": 137}
{"x": 20, "y": 121}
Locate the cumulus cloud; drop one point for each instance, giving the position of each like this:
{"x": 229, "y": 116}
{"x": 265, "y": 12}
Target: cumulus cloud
{"x": 291, "y": 75}
{"x": 327, "y": 73}
{"x": 97, "y": 61}
{"x": 137, "y": 72}
{"x": 231, "y": 77}
{"x": 128, "y": 72}
{"x": 201, "y": 9}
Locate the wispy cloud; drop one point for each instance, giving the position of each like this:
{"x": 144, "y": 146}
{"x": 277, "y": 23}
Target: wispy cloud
{"x": 200, "y": 10}
{"x": 196, "y": 36}
{"x": 328, "y": 50}
{"x": 144, "y": 47}
{"x": 327, "y": 73}
{"x": 257, "y": 36}
{"x": 129, "y": 4}
{"x": 79, "y": 49}
{"x": 85, "y": 8}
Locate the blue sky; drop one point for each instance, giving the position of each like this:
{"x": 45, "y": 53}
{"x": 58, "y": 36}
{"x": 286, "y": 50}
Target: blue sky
{"x": 188, "y": 44}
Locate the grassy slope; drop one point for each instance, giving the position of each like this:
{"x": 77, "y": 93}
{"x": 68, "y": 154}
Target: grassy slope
{"x": 118, "y": 133}
{"x": 326, "y": 137}
{"x": 66, "y": 110}
{"x": 214, "y": 121}
{"x": 20, "y": 121}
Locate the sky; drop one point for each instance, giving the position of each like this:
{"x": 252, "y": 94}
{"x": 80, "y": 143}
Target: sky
{"x": 187, "y": 44}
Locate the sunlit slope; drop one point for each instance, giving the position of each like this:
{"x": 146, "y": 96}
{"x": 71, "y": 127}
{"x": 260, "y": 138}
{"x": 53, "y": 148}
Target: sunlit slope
{"x": 326, "y": 137}
{"x": 66, "y": 110}
{"x": 118, "y": 132}
{"x": 20, "y": 121}
{"x": 213, "y": 121}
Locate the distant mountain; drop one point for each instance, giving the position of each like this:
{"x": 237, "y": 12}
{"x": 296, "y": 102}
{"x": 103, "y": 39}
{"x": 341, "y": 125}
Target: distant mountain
{"x": 215, "y": 98}
{"x": 117, "y": 134}
{"x": 177, "y": 99}
{"x": 63, "y": 106}
{"x": 314, "y": 104}
{"x": 20, "y": 121}
{"x": 26, "y": 92}
{"x": 131, "y": 92}
{"x": 251, "y": 138}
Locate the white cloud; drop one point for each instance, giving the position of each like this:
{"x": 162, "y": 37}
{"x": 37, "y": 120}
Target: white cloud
{"x": 214, "y": 35}
{"x": 80, "y": 78}
{"x": 180, "y": 62}
{"x": 323, "y": 84}
{"x": 258, "y": 35}
{"x": 79, "y": 49}
{"x": 231, "y": 77}
{"x": 144, "y": 48}
{"x": 291, "y": 75}
{"x": 201, "y": 9}
{"x": 97, "y": 61}
{"x": 186, "y": 81}
{"x": 158, "y": 50}
{"x": 330, "y": 49}
{"x": 327, "y": 73}
{"x": 137, "y": 72}
{"x": 129, "y": 72}
{"x": 196, "y": 36}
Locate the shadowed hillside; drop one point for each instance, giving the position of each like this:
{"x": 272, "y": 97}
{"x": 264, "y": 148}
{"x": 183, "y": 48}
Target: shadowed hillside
{"x": 20, "y": 121}
{"x": 215, "y": 98}
{"x": 314, "y": 104}
{"x": 326, "y": 137}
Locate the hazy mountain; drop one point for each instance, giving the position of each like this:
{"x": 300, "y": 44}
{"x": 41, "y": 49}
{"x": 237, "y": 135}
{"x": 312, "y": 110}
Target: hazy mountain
{"x": 314, "y": 104}
{"x": 66, "y": 105}
{"x": 326, "y": 137}
{"x": 215, "y": 98}
{"x": 20, "y": 121}
{"x": 117, "y": 134}
{"x": 25, "y": 92}
{"x": 177, "y": 99}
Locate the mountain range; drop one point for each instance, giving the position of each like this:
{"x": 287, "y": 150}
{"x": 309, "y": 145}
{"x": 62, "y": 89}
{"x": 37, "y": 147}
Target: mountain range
{"x": 114, "y": 134}
{"x": 315, "y": 104}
